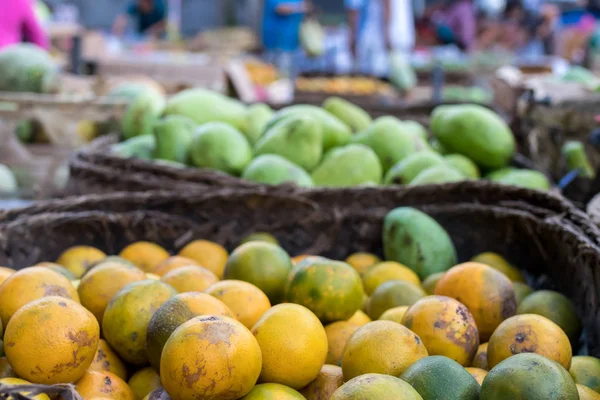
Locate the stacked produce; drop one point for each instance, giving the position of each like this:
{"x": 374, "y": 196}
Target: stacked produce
{"x": 27, "y": 68}
{"x": 336, "y": 145}
{"x": 259, "y": 324}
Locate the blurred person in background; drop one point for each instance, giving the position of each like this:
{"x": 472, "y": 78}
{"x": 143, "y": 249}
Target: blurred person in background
{"x": 151, "y": 16}
{"x": 19, "y": 23}
{"x": 377, "y": 27}
{"x": 281, "y": 30}
{"x": 454, "y": 22}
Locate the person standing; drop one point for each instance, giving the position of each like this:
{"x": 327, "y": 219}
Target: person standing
{"x": 18, "y": 23}
{"x": 151, "y": 18}
{"x": 455, "y": 23}
{"x": 377, "y": 27}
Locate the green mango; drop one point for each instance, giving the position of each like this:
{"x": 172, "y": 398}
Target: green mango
{"x": 25, "y": 67}
{"x": 258, "y": 118}
{"x": 416, "y": 129}
{"x": 475, "y": 132}
{"x": 335, "y": 132}
{"x": 438, "y": 377}
{"x": 8, "y": 182}
{"x": 220, "y": 146}
{"x": 402, "y": 74}
{"x": 350, "y": 114}
{"x": 391, "y": 140}
{"x": 464, "y": 165}
{"x": 574, "y": 154}
{"x": 202, "y": 106}
{"x": 403, "y": 172}
{"x": 142, "y": 114}
{"x": 173, "y": 138}
{"x": 272, "y": 169}
{"x": 416, "y": 240}
{"x": 437, "y": 146}
{"x": 127, "y": 91}
{"x": 351, "y": 165}
{"x": 526, "y": 178}
{"x": 297, "y": 138}
{"x": 437, "y": 174}
{"x": 137, "y": 147}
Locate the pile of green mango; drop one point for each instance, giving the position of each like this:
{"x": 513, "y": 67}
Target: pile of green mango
{"x": 336, "y": 145}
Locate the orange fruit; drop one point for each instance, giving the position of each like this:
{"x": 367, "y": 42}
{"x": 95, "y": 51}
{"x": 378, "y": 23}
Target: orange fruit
{"x": 51, "y": 340}
{"x": 585, "y": 393}
{"x": 338, "y": 334}
{"x": 330, "y": 378}
{"x": 393, "y": 294}
{"x": 585, "y": 370}
{"x": 477, "y": 373}
{"x": 385, "y": 272}
{"x": 284, "y": 333}
{"x": 359, "y": 318}
{"x": 30, "y": 284}
{"x": 431, "y": 281}
{"x": 16, "y": 381}
{"x": 529, "y": 333}
{"x": 301, "y": 257}
{"x": 5, "y": 273}
{"x": 394, "y": 314}
{"x": 361, "y": 262}
{"x": 78, "y": 259}
{"x": 445, "y": 326}
{"x": 172, "y": 263}
{"x": 480, "y": 359}
{"x": 144, "y": 255}
{"x": 500, "y": 264}
{"x": 173, "y": 313}
{"x": 144, "y": 382}
{"x": 208, "y": 254}
{"x": 247, "y": 302}
{"x": 190, "y": 279}
{"x": 100, "y": 285}
{"x": 487, "y": 293}
{"x": 103, "y": 384}
{"x": 375, "y": 387}
{"x": 273, "y": 391}
{"x": 210, "y": 357}
{"x": 106, "y": 360}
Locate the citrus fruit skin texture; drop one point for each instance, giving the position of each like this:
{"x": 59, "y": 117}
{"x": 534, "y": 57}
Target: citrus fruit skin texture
{"x": 103, "y": 384}
{"x": 197, "y": 360}
{"x": 487, "y": 293}
{"x": 477, "y": 373}
{"x": 60, "y": 348}
{"x": 393, "y": 294}
{"x": 528, "y": 376}
{"x": 78, "y": 259}
{"x": 145, "y": 255}
{"x": 395, "y": 314}
{"x": 273, "y": 391}
{"x": 382, "y": 347}
{"x": 17, "y": 381}
{"x": 190, "y": 279}
{"x": 555, "y": 306}
{"x": 284, "y": 333}
{"x": 126, "y": 319}
{"x": 106, "y": 360}
{"x": 585, "y": 393}
{"x": 207, "y": 254}
{"x": 103, "y": 282}
{"x": 30, "y": 284}
{"x": 362, "y": 261}
{"x": 174, "y": 312}
{"x": 529, "y": 333}
{"x": 387, "y": 271}
{"x": 262, "y": 264}
{"x": 172, "y": 263}
{"x": 375, "y": 387}
{"x": 431, "y": 281}
{"x": 480, "y": 360}
{"x": 360, "y": 318}
{"x": 445, "y": 326}
{"x": 500, "y": 264}
{"x": 522, "y": 290}
{"x": 585, "y": 370}
{"x": 247, "y": 301}
{"x": 338, "y": 334}
{"x": 330, "y": 289}
{"x": 328, "y": 381}
{"x": 144, "y": 382}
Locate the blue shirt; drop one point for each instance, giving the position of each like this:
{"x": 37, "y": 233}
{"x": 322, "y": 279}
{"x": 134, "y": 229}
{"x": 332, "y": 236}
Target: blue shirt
{"x": 281, "y": 32}
{"x": 146, "y": 20}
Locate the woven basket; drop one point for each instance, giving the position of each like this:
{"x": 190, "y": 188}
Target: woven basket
{"x": 551, "y": 240}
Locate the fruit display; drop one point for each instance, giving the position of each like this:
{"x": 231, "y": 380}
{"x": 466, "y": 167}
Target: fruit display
{"x": 261, "y": 74}
{"x": 27, "y": 68}
{"x": 336, "y": 145}
{"x": 345, "y": 85}
{"x": 413, "y": 322}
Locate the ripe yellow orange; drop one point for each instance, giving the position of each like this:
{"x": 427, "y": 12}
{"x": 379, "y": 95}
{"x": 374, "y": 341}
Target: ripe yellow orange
{"x": 57, "y": 268}
{"x": 338, "y": 334}
{"x": 394, "y": 314}
{"x": 31, "y": 284}
{"x": 284, "y": 333}
{"x": 103, "y": 282}
{"x": 529, "y": 333}
{"x": 498, "y": 262}
{"x": 487, "y": 293}
{"x": 360, "y": 318}
{"x": 51, "y": 340}
{"x": 144, "y": 382}
{"x": 106, "y": 360}
{"x": 383, "y": 347}
{"x": 144, "y": 255}
{"x": 5, "y": 273}
{"x": 480, "y": 359}
{"x": 78, "y": 259}
{"x": 18, "y": 382}
{"x": 477, "y": 373}
{"x": 361, "y": 262}
{"x": 172, "y": 263}
{"x": 375, "y": 387}
{"x": 208, "y": 254}
{"x": 385, "y": 272}
{"x": 197, "y": 360}
{"x": 190, "y": 279}
{"x": 445, "y": 326}
{"x": 103, "y": 384}
{"x": 273, "y": 391}
{"x": 431, "y": 281}
{"x": 585, "y": 393}
{"x": 247, "y": 302}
